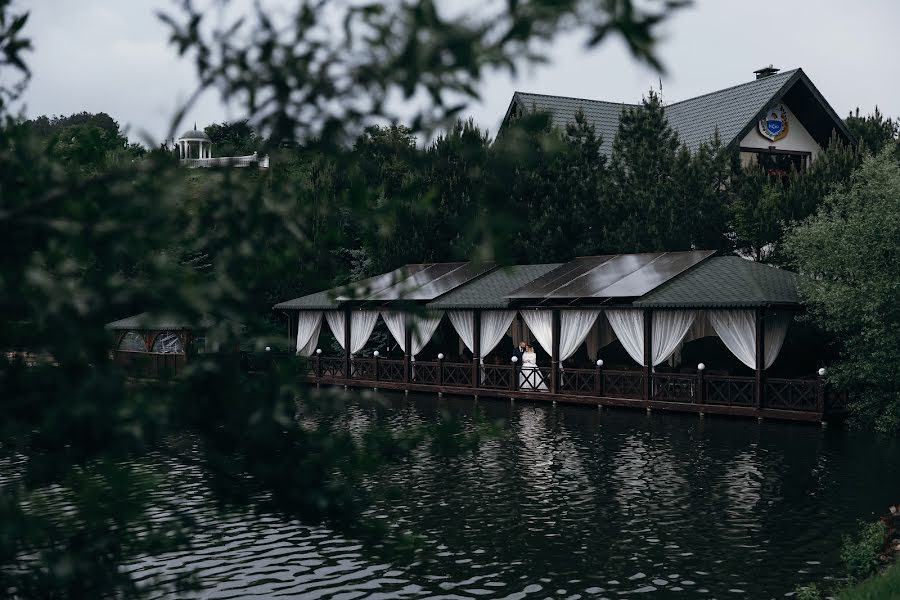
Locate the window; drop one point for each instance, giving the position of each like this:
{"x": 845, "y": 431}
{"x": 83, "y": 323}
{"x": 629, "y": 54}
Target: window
{"x": 168, "y": 342}
{"x": 132, "y": 341}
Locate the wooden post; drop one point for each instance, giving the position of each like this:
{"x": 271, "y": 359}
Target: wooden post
{"x": 820, "y": 398}
{"x": 407, "y": 346}
{"x": 318, "y": 367}
{"x": 440, "y": 362}
{"x": 598, "y": 380}
{"x": 554, "y": 352}
{"x": 648, "y": 354}
{"x": 514, "y": 376}
{"x": 701, "y": 386}
{"x": 760, "y": 358}
{"x": 476, "y": 350}
{"x": 376, "y": 368}
{"x": 348, "y": 319}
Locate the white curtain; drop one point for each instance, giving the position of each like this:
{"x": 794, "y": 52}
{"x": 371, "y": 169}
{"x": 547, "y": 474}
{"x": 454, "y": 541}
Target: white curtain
{"x": 540, "y": 322}
{"x": 776, "y": 330}
{"x": 629, "y": 328}
{"x": 494, "y": 324}
{"x": 574, "y": 326}
{"x": 309, "y": 323}
{"x": 423, "y": 328}
{"x": 737, "y": 329}
{"x": 669, "y": 329}
{"x": 600, "y": 336}
{"x": 464, "y": 323}
{"x": 700, "y": 328}
{"x": 362, "y": 322}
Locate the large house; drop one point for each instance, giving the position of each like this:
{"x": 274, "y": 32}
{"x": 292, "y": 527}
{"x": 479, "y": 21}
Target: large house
{"x": 776, "y": 120}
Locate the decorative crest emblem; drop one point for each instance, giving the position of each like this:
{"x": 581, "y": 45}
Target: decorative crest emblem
{"x": 774, "y": 124}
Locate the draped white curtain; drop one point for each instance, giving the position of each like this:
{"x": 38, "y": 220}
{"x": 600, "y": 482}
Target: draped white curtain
{"x": 309, "y": 324}
{"x": 600, "y": 335}
{"x": 540, "y": 322}
{"x": 776, "y": 330}
{"x": 629, "y": 328}
{"x": 574, "y": 326}
{"x": 737, "y": 329}
{"x": 362, "y": 322}
{"x": 669, "y": 329}
{"x": 494, "y": 325}
{"x": 423, "y": 328}
{"x": 464, "y": 323}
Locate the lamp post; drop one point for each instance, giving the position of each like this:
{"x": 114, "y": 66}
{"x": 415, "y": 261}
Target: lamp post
{"x": 514, "y": 377}
{"x": 598, "y": 378}
{"x": 440, "y": 358}
{"x": 701, "y": 386}
{"x": 375, "y": 355}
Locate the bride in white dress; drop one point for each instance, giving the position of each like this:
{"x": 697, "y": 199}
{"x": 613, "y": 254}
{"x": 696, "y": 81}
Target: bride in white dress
{"x": 530, "y": 377}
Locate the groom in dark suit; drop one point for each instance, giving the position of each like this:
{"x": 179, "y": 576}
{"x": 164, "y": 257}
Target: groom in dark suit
{"x": 520, "y": 350}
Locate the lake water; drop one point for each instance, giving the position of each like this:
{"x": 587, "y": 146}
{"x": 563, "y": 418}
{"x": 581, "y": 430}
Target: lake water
{"x": 566, "y": 502}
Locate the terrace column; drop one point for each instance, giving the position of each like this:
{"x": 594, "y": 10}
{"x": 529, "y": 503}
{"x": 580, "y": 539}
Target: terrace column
{"x": 476, "y": 349}
{"x": 407, "y": 346}
{"x": 554, "y": 353}
{"x": 760, "y": 396}
{"x": 648, "y": 354}
{"x": 347, "y": 321}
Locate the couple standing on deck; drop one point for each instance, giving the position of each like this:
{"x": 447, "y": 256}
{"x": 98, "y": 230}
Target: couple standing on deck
{"x": 530, "y": 377}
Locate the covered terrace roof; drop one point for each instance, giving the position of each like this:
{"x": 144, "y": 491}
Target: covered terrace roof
{"x": 417, "y": 282}
{"x": 610, "y": 276}
{"x": 161, "y": 322}
{"x": 692, "y": 279}
{"x": 726, "y": 282}
{"x": 491, "y": 290}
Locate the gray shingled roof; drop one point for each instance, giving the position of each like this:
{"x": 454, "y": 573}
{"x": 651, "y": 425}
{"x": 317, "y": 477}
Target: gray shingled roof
{"x": 604, "y": 116}
{"x": 318, "y": 301}
{"x": 731, "y": 109}
{"x": 695, "y": 119}
{"x": 725, "y": 281}
{"x": 491, "y": 290}
{"x": 159, "y": 322}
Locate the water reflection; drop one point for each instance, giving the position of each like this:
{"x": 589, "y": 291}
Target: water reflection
{"x": 567, "y": 502}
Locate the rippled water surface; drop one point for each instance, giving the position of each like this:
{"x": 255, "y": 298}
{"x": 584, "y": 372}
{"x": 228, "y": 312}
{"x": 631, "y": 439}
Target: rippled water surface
{"x": 566, "y": 502}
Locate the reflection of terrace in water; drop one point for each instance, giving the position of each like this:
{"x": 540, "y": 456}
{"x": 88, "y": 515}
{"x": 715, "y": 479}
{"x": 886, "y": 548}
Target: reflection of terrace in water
{"x": 623, "y": 329}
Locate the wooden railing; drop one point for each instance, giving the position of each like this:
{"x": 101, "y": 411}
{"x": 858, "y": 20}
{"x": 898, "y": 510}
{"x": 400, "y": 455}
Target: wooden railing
{"x": 729, "y": 391}
{"x": 691, "y": 391}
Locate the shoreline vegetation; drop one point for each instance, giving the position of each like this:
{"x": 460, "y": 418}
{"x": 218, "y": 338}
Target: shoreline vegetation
{"x": 872, "y": 562}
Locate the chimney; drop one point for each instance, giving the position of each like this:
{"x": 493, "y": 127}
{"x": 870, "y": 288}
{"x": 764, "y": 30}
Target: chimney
{"x": 766, "y": 72}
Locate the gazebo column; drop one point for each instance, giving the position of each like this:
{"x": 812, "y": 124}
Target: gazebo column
{"x": 476, "y": 349}
{"x": 347, "y": 321}
{"x": 648, "y": 354}
{"x": 554, "y": 353}
{"x": 407, "y": 347}
{"x": 760, "y": 396}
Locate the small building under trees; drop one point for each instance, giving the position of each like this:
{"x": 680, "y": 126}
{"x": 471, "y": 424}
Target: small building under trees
{"x": 778, "y": 120}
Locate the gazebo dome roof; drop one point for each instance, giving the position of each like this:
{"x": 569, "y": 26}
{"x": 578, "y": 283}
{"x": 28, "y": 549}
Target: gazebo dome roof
{"x": 194, "y": 134}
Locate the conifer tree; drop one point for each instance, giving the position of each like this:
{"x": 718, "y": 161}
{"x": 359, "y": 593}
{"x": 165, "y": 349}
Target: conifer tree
{"x": 644, "y": 168}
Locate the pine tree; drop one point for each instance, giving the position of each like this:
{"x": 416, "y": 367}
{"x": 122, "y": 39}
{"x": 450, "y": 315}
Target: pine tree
{"x": 645, "y": 163}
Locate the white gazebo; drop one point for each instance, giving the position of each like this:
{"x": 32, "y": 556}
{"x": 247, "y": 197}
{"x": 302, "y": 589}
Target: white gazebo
{"x": 194, "y": 144}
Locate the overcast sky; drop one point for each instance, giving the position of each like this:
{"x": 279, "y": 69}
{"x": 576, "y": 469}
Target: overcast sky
{"x": 112, "y": 56}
